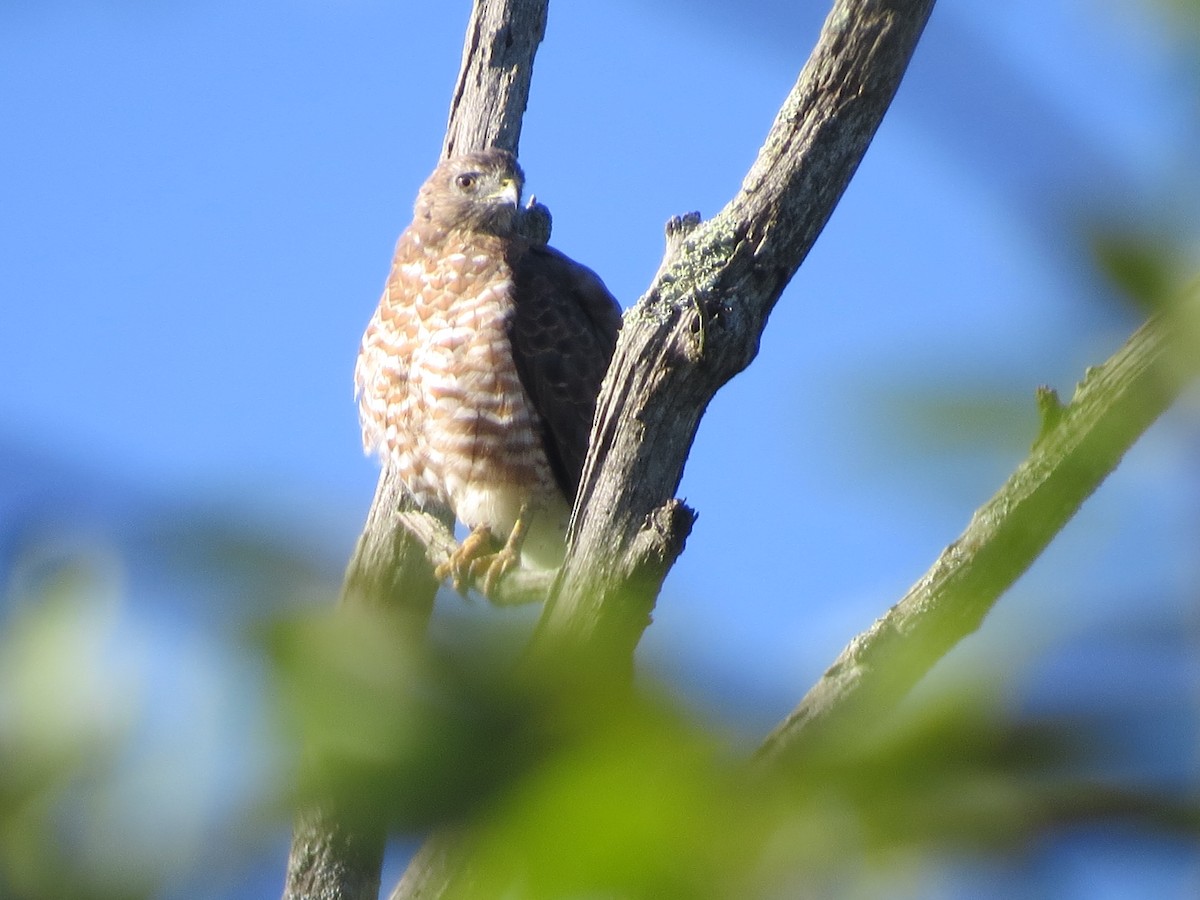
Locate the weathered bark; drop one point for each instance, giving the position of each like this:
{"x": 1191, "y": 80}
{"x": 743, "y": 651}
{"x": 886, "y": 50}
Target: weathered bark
{"x": 700, "y": 322}
{"x": 390, "y": 569}
{"x": 329, "y": 859}
{"x": 493, "y": 82}
{"x": 1080, "y": 445}
{"x": 697, "y": 326}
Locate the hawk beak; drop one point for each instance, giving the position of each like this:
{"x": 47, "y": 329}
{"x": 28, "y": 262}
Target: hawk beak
{"x": 510, "y": 192}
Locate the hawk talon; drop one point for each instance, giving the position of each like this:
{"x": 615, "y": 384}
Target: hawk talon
{"x": 509, "y": 556}
{"x": 493, "y": 567}
{"x": 470, "y": 562}
{"x": 459, "y": 567}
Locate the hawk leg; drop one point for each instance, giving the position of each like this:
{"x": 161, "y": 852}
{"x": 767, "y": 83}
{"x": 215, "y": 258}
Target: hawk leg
{"x": 473, "y": 560}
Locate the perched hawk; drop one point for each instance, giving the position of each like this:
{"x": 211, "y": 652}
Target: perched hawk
{"x": 478, "y": 374}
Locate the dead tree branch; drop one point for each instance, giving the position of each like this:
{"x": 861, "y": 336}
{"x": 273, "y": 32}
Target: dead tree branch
{"x": 390, "y": 568}
{"x": 697, "y": 326}
{"x": 493, "y": 82}
{"x": 700, "y": 322}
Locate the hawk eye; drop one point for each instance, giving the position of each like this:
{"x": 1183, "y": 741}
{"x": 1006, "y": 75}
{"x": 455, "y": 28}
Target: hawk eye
{"x": 466, "y": 180}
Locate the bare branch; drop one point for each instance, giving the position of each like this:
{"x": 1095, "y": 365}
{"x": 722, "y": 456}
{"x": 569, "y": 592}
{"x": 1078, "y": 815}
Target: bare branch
{"x": 329, "y": 860}
{"x": 700, "y": 322}
{"x": 389, "y": 567}
{"x": 1083, "y": 443}
{"x": 493, "y": 83}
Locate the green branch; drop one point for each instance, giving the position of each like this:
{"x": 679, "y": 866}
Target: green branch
{"x": 1080, "y": 444}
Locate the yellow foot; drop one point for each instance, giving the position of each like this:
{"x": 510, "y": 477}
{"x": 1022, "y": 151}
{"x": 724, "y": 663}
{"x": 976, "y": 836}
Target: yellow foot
{"x": 493, "y": 567}
{"x": 474, "y": 562}
{"x": 460, "y": 566}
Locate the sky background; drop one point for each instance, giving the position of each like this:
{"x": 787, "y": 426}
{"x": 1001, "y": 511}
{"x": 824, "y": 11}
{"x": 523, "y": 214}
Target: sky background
{"x": 197, "y": 211}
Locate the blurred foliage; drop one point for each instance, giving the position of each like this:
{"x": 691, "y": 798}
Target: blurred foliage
{"x": 64, "y": 718}
{"x": 951, "y": 415}
{"x": 1149, "y": 268}
{"x": 565, "y": 785}
{"x": 561, "y": 783}
{"x": 1182, "y": 17}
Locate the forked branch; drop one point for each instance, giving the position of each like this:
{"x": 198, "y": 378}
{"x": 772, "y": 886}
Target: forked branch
{"x": 697, "y": 326}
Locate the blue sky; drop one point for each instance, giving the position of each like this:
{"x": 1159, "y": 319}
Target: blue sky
{"x": 199, "y": 205}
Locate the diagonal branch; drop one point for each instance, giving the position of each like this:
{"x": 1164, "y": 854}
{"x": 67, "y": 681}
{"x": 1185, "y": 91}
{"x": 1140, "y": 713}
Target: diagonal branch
{"x": 700, "y": 323}
{"x": 1080, "y": 445}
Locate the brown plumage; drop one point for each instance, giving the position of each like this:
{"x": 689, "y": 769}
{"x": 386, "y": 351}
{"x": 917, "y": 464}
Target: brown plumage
{"x": 478, "y": 374}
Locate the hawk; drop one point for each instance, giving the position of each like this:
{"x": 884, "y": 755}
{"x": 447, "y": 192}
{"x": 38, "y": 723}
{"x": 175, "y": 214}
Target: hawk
{"x": 478, "y": 374}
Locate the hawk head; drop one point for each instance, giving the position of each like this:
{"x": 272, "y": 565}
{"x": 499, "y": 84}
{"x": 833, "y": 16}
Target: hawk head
{"x": 473, "y": 192}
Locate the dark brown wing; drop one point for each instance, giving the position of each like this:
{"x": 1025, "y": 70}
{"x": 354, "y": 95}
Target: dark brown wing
{"x": 563, "y": 335}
